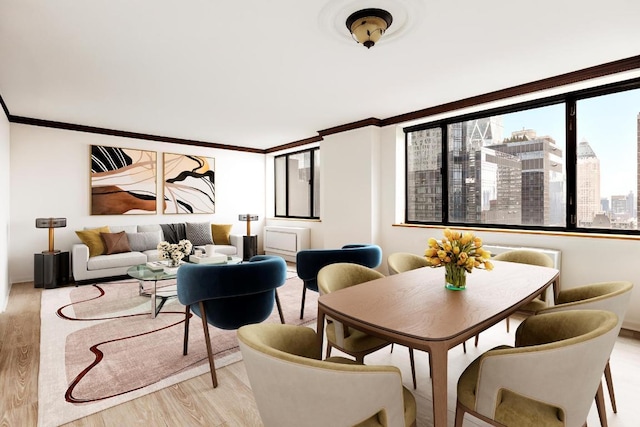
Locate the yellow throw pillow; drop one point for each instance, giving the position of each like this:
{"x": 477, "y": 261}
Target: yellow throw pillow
{"x": 93, "y": 240}
{"x": 220, "y": 233}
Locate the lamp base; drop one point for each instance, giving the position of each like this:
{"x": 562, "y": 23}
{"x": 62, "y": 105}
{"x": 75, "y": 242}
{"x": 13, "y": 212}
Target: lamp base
{"x": 55, "y": 251}
{"x": 51, "y": 269}
{"x": 250, "y": 247}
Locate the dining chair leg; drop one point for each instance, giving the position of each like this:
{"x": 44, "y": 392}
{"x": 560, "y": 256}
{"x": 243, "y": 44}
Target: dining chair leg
{"x": 205, "y": 326}
{"x": 459, "y": 415}
{"x": 391, "y": 348}
{"x": 477, "y": 339}
{"x": 507, "y": 325}
{"x": 328, "y": 353}
{"x": 187, "y": 315}
{"x": 279, "y": 308}
{"x": 413, "y": 368}
{"x": 602, "y": 412}
{"x": 304, "y": 292}
{"x": 464, "y": 347}
{"x": 612, "y": 396}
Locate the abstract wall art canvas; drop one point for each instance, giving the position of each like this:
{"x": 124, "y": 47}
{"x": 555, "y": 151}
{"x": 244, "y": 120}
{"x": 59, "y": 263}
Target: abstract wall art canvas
{"x": 189, "y": 184}
{"x": 123, "y": 181}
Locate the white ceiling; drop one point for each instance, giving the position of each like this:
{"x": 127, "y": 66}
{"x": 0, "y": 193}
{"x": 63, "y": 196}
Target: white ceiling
{"x": 260, "y": 74}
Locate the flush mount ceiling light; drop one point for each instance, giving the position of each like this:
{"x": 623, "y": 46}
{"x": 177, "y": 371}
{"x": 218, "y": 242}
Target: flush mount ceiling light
{"x": 368, "y": 25}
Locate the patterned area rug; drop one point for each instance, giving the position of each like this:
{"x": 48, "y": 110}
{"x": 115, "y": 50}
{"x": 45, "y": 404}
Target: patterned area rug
{"x": 100, "y": 347}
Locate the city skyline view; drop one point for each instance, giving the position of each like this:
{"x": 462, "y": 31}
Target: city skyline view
{"x": 608, "y": 123}
{"x": 512, "y": 168}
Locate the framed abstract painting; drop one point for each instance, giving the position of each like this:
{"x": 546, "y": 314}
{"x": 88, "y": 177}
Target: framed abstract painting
{"x": 123, "y": 181}
{"x": 189, "y": 184}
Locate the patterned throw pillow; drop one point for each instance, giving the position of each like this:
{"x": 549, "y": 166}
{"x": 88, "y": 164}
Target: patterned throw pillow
{"x": 116, "y": 243}
{"x": 220, "y": 233}
{"x": 199, "y": 233}
{"x": 93, "y": 240}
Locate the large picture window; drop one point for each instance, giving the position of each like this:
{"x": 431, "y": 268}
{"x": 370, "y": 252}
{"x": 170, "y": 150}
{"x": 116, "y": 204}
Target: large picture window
{"x": 563, "y": 163}
{"x": 297, "y": 184}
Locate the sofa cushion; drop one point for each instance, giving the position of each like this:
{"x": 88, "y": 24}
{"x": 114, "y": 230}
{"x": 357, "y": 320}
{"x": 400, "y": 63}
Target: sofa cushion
{"x": 225, "y": 249}
{"x": 220, "y": 233}
{"x": 144, "y": 240}
{"x": 151, "y": 227}
{"x": 116, "y": 243}
{"x": 125, "y": 228}
{"x": 152, "y": 255}
{"x": 199, "y": 233}
{"x": 91, "y": 237}
{"x": 125, "y": 259}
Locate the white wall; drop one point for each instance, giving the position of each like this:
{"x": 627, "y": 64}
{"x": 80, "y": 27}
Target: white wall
{"x": 50, "y": 178}
{"x": 5, "y": 193}
{"x": 349, "y": 187}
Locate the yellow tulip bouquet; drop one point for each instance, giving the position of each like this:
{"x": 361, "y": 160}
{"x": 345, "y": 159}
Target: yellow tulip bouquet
{"x": 459, "y": 253}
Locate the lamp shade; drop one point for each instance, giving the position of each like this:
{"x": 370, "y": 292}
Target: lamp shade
{"x": 248, "y": 218}
{"x": 51, "y": 223}
{"x": 368, "y": 25}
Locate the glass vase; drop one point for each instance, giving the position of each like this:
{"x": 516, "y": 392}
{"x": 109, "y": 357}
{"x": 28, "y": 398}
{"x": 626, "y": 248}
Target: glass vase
{"x": 455, "y": 277}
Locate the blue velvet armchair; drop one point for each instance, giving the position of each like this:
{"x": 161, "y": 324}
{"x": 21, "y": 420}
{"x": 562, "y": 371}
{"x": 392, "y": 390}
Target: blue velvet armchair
{"x": 310, "y": 261}
{"x": 230, "y": 296}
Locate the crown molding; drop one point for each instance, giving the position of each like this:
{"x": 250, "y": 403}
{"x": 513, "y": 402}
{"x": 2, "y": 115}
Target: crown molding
{"x": 126, "y": 134}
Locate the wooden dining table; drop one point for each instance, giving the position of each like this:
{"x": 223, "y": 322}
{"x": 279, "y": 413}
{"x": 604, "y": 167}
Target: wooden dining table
{"x": 414, "y": 309}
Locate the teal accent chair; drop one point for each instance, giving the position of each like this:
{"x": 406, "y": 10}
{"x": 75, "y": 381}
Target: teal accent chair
{"x": 310, "y": 261}
{"x": 230, "y": 296}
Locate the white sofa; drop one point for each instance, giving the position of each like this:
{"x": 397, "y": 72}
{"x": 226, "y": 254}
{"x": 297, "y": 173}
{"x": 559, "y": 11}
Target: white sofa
{"x": 143, "y": 239}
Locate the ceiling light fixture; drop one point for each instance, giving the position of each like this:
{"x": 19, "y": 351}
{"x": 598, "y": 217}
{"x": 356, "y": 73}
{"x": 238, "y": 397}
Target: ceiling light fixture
{"x": 368, "y": 25}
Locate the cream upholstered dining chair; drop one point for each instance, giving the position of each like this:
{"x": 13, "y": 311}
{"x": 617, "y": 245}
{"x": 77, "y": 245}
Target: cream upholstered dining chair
{"x": 358, "y": 344}
{"x": 525, "y": 256}
{"x": 548, "y": 379}
{"x": 612, "y": 296}
{"x": 399, "y": 262}
{"x": 293, "y": 387}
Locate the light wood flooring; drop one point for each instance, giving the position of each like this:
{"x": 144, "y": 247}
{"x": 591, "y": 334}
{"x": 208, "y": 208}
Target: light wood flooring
{"x": 196, "y": 403}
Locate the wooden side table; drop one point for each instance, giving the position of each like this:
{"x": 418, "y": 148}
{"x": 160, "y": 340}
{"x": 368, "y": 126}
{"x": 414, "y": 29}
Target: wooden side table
{"x": 50, "y": 269}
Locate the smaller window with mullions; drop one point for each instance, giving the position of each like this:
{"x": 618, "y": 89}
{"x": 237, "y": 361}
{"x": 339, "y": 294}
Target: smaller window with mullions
{"x": 297, "y": 184}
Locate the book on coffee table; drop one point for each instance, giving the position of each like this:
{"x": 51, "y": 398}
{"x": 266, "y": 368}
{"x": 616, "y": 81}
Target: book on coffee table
{"x": 204, "y": 259}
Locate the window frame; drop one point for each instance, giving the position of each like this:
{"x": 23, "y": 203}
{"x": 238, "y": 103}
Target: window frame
{"x": 312, "y": 184}
{"x": 570, "y": 100}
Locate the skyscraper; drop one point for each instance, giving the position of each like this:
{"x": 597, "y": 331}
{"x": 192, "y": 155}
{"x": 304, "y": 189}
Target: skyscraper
{"x": 588, "y": 184}
{"x": 542, "y": 182}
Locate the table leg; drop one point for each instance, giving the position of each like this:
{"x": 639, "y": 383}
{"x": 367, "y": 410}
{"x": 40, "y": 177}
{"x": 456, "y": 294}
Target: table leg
{"x": 556, "y": 290}
{"x": 438, "y": 356}
{"x": 153, "y": 300}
